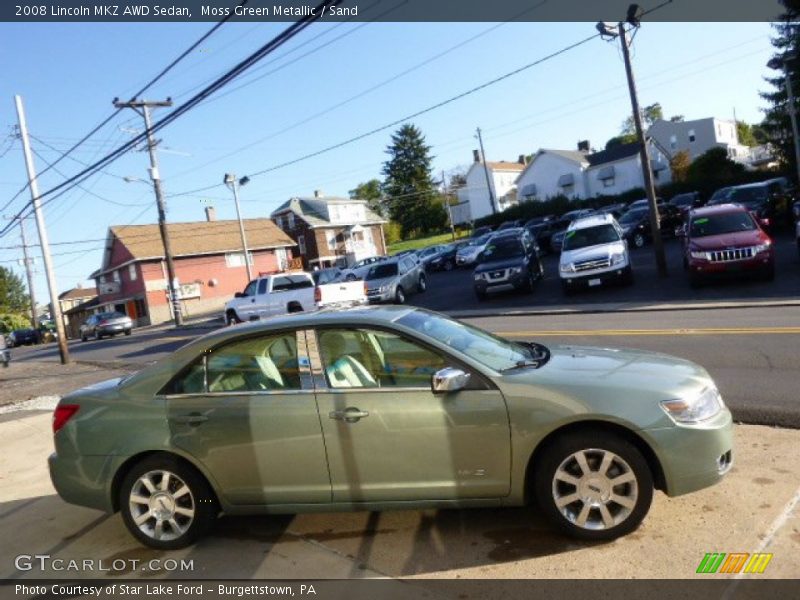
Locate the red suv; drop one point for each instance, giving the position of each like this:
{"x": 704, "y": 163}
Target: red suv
{"x": 726, "y": 240}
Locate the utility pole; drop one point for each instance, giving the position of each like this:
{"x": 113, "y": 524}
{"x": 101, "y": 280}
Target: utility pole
{"x": 231, "y": 181}
{"x": 28, "y": 272}
{"x": 446, "y": 197}
{"x": 644, "y": 154}
{"x": 486, "y": 172}
{"x": 55, "y": 307}
{"x": 143, "y": 108}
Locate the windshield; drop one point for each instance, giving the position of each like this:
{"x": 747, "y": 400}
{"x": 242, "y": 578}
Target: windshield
{"x": 720, "y": 196}
{"x": 489, "y": 350}
{"x": 723, "y": 223}
{"x": 682, "y": 199}
{"x": 381, "y": 271}
{"x": 479, "y": 241}
{"x": 632, "y": 216}
{"x": 503, "y": 248}
{"x": 590, "y": 236}
{"x": 754, "y": 195}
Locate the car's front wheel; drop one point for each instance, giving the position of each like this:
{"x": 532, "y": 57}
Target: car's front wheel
{"x": 593, "y": 485}
{"x": 422, "y": 285}
{"x": 166, "y": 504}
{"x": 638, "y": 240}
{"x": 231, "y": 318}
{"x": 399, "y": 296}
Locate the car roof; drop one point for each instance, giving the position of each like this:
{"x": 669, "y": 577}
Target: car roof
{"x": 591, "y": 221}
{"x": 718, "y": 209}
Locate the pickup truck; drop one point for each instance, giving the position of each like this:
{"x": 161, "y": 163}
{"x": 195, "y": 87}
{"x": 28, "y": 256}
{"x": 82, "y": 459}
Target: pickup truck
{"x": 281, "y": 293}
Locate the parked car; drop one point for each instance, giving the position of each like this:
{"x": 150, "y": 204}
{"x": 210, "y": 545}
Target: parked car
{"x": 720, "y": 196}
{"x": 770, "y": 201}
{"x": 481, "y": 231}
{"x": 615, "y": 210}
{"x": 426, "y": 255}
{"x": 538, "y": 220}
{"x": 542, "y": 232}
{"x": 360, "y": 268}
{"x": 446, "y": 259}
{"x": 510, "y": 224}
{"x": 328, "y": 275}
{"x": 561, "y": 225}
{"x": 5, "y": 353}
{"x": 510, "y": 261}
{"x": 281, "y": 293}
{"x": 636, "y": 228}
{"x": 394, "y": 280}
{"x": 686, "y": 202}
{"x": 25, "y": 337}
{"x": 468, "y": 253}
{"x": 105, "y": 324}
{"x": 726, "y": 240}
{"x": 389, "y": 407}
{"x": 594, "y": 254}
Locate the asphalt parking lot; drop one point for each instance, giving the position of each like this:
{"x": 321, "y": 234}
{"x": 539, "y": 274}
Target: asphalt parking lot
{"x": 453, "y": 291}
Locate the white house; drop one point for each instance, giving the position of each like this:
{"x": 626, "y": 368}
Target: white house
{"x": 473, "y": 198}
{"x": 582, "y": 174}
{"x": 699, "y": 136}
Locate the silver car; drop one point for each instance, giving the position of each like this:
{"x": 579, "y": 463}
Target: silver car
{"x": 106, "y": 324}
{"x": 393, "y": 280}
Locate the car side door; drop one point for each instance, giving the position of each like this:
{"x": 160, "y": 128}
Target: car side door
{"x": 389, "y": 437}
{"x": 246, "y": 304}
{"x": 246, "y": 413}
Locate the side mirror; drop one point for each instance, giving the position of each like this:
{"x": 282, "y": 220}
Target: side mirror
{"x": 764, "y": 223}
{"x": 239, "y": 295}
{"x": 449, "y": 380}
{"x": 682, "y": 231}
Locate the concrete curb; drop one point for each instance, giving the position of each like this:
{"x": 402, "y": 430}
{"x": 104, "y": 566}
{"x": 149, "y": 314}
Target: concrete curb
{"x": 621, "y": 308}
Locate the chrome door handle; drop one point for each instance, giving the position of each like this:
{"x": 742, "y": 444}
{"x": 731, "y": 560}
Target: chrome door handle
{"x": 190, "y": 419}
{"x": 350, "y": 414}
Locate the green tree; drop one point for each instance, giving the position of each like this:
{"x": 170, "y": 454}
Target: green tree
{"x": 679, "y": 166}
{"x": 410, "y": 194}
{"x": 13, "y": 297}
{"x": 776, "y": 124}
{"x": 714, "y": 167}
{"x": 371, "y": 192}
{"x": 745, "y": 133}
{"x": 619, "y": 140}
{"x": 650, "y": 114}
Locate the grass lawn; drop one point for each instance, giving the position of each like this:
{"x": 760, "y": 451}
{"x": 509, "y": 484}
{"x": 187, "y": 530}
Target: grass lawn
{"x": 444, "y": 238}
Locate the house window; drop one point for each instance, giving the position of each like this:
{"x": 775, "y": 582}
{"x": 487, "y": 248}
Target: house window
{"x": 673, "y": 142}
{"x": 132, "y": 275}
{"x": 117, "y": 278}
{"x": 608, "y": 182}
{"x": 279, "y": 221}
{"x": 567, "y": 189}
{"x": 236, "y": 259}
{"x": 102, "y": 279}
{"x": 691, "y": 136}
{"x": 290, "y": 220}
{"x": 330, "y": 235}
{"x": 301, "y": 243}
{"x": 141, "y": 308}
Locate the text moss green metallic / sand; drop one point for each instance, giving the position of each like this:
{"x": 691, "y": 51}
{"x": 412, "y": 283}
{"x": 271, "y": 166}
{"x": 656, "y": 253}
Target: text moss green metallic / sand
{"x": 388, "y": 407}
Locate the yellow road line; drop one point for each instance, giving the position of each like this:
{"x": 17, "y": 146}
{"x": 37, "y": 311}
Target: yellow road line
{"x": 676, "y": 331}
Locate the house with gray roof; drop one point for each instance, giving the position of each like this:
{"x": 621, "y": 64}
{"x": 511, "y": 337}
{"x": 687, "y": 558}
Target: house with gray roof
{"x": 583, "y": 174}
{"x": 331, "y": 231}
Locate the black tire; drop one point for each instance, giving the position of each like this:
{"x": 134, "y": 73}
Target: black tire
{"x": 529, "y": 283}
{"x": 98, "y": 335}
{"x": 567, "y": 289}
{"x": 127, "y": 332}
{"x": 695, "y": 282}
{"x": 201, "y": 499}
{"x": 636, "y": 491}
{"x": 422, "y": 284}
{"x": 449, "y": 265}
{"x": 231, "y": 318}
{"x": 399, "y": 296}
{"x": 83, "y": 338}
{"x": 638, "y": 240}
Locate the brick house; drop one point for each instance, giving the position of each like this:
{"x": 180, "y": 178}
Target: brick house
{"x": 331, "y": 231}
{"x": 209, "y": 265}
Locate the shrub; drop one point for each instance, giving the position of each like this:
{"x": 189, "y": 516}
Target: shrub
{"x": 11, "y": 321}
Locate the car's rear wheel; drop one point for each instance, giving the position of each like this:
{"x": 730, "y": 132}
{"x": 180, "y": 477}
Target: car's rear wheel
{"x": 449, "y": 265}
{"x": 98, "y": 335}
{"x": 638, "y": 240}
{"x": 166, "y": 504}
{"x": 399, "y": 296}
{"x": 127, "y": 332}
{"x": 593, "y": 485}
{"x": 83, "y": 337}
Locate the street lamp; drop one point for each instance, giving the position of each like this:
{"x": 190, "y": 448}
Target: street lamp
{"x": 782, "y": 63}
{"x": 231, "y": 181}
{"x": 610, "y": 31}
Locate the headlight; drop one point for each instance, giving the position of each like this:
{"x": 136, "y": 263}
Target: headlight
{"x": 514, "y": 270}
{"x": 383, "y": 289}
{"x": 478, "y": 277}
{"x": 762, "y": 247}
{"x": 617, "y": 258}
{"x": 701, "y": 255}
{"x": 698, "y": 408}
{"x": 566, "y": 268}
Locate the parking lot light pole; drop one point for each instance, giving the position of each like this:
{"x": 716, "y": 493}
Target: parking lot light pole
{"x": 231, "y": 181}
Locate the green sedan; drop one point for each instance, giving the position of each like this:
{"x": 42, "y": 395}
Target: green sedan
{"x": 388, "y": 408}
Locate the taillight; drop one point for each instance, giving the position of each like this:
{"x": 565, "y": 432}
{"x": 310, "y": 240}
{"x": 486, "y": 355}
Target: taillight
{"x": 317, "y": 295}
{"x": 103, "y": 323}
{"x": 62, "y": 414}
{"x": 365, "y": 288}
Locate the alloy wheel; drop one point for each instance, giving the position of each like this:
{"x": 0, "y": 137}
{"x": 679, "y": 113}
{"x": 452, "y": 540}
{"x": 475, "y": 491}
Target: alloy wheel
{"x": 595, "y": 489}
{"x": 161, "y": 505}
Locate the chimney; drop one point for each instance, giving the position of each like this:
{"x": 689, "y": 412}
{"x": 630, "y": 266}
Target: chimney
{"x": 317, "y": 193}
{"x": 476, "y": 156}
{"x": 583, "y": 146}
{"x": 523, "y": 160}
{"x": 211, "y": 214}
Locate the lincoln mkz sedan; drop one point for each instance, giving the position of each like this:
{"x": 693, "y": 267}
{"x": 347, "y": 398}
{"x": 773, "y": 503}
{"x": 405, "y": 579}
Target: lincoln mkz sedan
{"x": 390, "y": 407}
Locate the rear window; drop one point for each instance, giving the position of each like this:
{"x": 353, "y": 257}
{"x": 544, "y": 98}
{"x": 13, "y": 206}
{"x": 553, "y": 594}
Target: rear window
{"x": 748, "y": 196}
{"x": 381, "y": 271}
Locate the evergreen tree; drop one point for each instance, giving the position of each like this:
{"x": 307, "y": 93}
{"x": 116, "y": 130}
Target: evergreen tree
{"x": 411, "y": 200}
{"x": 13, "y": 297}
{"x": 776, "y": 124}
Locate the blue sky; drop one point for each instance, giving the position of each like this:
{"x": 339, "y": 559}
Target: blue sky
{"x": 68, "y": 75}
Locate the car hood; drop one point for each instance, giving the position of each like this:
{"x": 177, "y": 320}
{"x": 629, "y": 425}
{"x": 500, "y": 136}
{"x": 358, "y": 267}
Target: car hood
{"x": 623, "y": 383}
{"x": 599, "y": 251}
{"x": 728, "y": 240}
{"x": 494, "y": 265}
{"x": 469, "y": 250}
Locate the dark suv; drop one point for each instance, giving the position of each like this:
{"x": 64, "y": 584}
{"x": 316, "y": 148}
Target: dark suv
{"x": 635, "y": 224}
{"x": 510, "y": 261}
{"x": 769, "y": 201}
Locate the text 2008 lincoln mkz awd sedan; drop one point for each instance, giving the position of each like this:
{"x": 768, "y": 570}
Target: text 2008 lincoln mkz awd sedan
{"x": 388, "y": 407}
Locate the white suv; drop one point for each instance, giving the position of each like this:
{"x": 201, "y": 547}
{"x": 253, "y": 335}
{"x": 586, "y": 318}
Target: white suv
{"x": 594, "y": 253}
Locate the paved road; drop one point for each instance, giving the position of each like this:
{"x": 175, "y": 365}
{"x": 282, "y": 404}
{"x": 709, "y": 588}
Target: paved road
{"x": 647, "y": 288}
{"x": 753, "y": 353}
